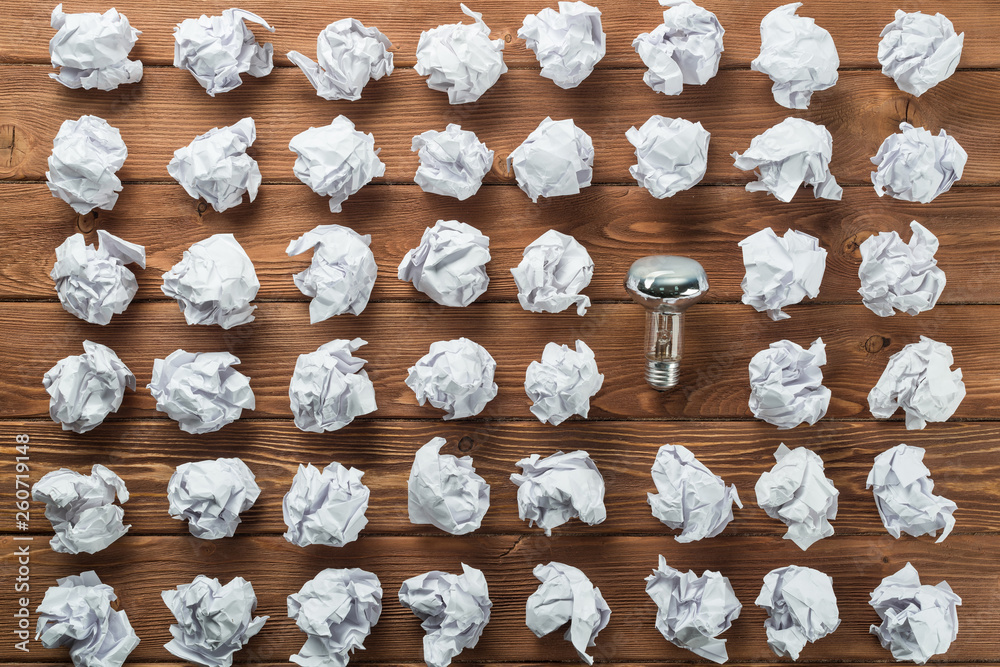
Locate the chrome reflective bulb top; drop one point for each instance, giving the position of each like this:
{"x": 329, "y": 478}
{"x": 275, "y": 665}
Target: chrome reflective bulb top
{"x": 665, "y": 285}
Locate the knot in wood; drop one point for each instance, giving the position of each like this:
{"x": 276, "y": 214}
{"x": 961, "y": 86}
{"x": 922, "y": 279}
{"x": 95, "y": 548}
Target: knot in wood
{"x": 876, "y": 343}
{"x": 465, "y": 444}
{"x": 14, "y": 146}
{"x": 87, "y": 222}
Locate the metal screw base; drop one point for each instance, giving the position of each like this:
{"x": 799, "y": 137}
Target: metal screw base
{"x": 662, "y": 375}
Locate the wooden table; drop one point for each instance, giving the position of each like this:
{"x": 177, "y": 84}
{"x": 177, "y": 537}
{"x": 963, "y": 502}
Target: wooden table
{"x": 616, "y": 220}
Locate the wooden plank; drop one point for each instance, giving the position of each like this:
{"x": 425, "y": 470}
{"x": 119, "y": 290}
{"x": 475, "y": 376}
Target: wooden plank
{"x": 855, "y": 27}
{"x": 140, "y": 567}
{"x": 615, "y": 223}
{"x": 169, "y": 109}
{"x": 721, "y": 339}
{"x": 964, "y": 459}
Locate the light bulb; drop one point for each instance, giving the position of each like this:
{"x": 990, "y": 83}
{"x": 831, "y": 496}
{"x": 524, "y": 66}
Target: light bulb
{"x": 665, "y": 285}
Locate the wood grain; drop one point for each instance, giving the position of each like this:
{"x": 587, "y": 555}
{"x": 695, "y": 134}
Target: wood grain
{"x": 964, "y": 459}
{"x": 140, "y": 567}
{"x": 168, "y": 109}
{"x": 615, "y": 223}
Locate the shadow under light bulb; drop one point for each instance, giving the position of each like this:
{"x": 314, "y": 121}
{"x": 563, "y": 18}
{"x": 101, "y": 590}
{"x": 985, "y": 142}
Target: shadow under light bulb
{"x": 665, "y": 285}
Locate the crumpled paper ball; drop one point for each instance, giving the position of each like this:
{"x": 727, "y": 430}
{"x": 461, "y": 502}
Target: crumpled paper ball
{"x": 94, "y": 284}
{"x": 914, "y": 165}
{"x": 556, "y": 159}
{"x": 792, "y": 153}
{"x": 210, "y": 495}
{"x": 554, "y": 269}
{"x": 349, "y": 54}
{"x": 78, "y": 613}
{"x": 904, "y": 494}
{"x": 86, "y": 154}
{"x": 460, "y": 59}
{"x": 685, "y": 48}
{"x": 454, "y": 609}
{"x": 689, "y": 496}
{"x": 453, "y": 163}
{"x": 336, "y": 160}
{"x": 900, "y": 276}
{"x": 692, "y": 611}
{"x": 213, "y": 621}
{"x": 445, "y": 491}
{"x": 801, "y": 607}
{"x": 449, "y": 265}
{"x": 342, "y": 273}
{"x": 566, "y": 597}
{"x": 796, "y": 492}
{"x": 91, "y": 50}
{"x": 217, "y": 49}
{"x": 455, "y": 376}
{"x": 553, "y": 490}
{"x": 671, "y": 155}
{"x": 201, "y": 391}
{"x": 919, "y": 51}
{"x": 781, "y": 271}
{"x": 786, "y": 384}
{"x": 214, "y": 283}
{"x": 84, "y": 389}
{"x": 919, "y": 379}
{"x": 567, "y": 43}
{"x": 325, "y": 507}
{"x": 798, "y": 55}
{"x": 216, "y": 167}
{"x": 918, "y": 621}
{"x": 562, "y": 383}
{"x": 81, "y": 508}
{"x": 337, "y": 610}
{"x": 330, "y": 387}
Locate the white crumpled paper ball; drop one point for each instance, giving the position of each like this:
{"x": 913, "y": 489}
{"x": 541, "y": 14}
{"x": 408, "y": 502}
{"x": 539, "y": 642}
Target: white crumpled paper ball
{"x": 453, "y": 163}
{"x": 78, "y": 613}
{"x": 904, "y": 494}
{"x": 86, "y": 154}
{"x": 554, "y": 269}
{"x": 349, "y": 53}
{"x": 786, "y": 384}
{"x": 900, "y": 276}
{"x": 337, "y": 610}
{"x": 781, "y": 271}
{"x": 798, "y": 55}
{"x": 91, "y": 50}
{"x": 801, "y": 607}
{"x": 566, "y": 597}
{"x": 556, "y": 159}
{"x": 201, "y": 391}
{"x": 460, "y": 59}
{"x": 553, "y": 490}
{"x": 920, "y": 380}
{"x": 671, "y": 155}
{"x": 213, "y": 621}
{"x": 562, "y": 383}
{"x": 919, "y": 51}
{"x": 330, "y": 387}
{"x": 336, "y": 160}
{"x": 792, "y": 153}
{"x": 445, "y": 491}
{"x": 689, "y": 496}
{"x": 214, "y": 283}
{"x": 216, "y": 167}
{"x": 81, "y": 508}
{"x": 210, "y": 495}
{"x": 94, "y": 284}
{"x": 798, "y": 493}
{"x": 449, "y": 265}
{"x": 567, "y": 43}
{"x": 685, "y": 48}
{"x": 455, "y": 376}
{"x": 342, "y": 273}
{"x": 454, "y": 609}
{"x": 325, "y": 507}
{"x": 217, "y": 49}
{"x": 84, "y": 389}
{"x": 914, "y": 165}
